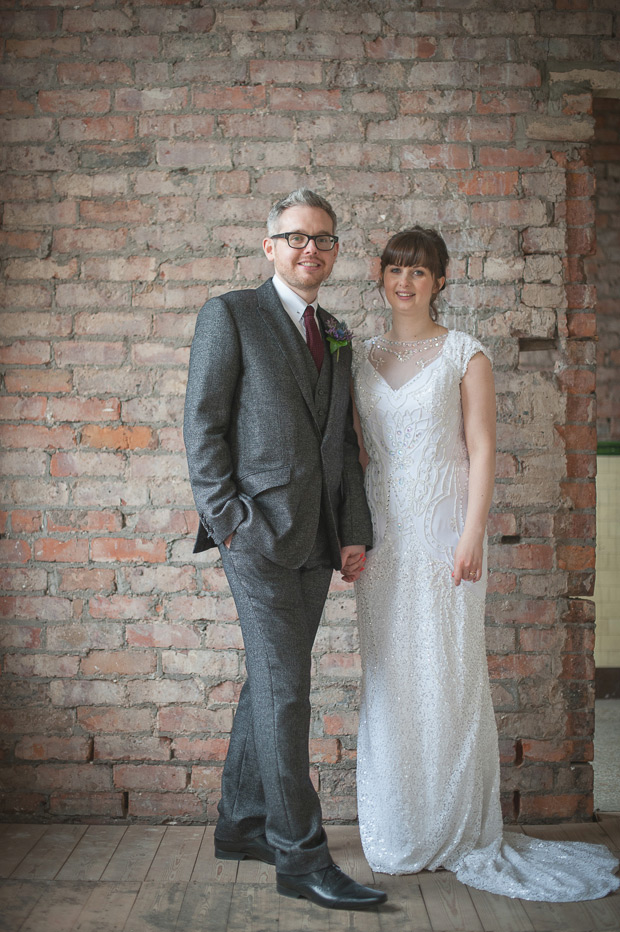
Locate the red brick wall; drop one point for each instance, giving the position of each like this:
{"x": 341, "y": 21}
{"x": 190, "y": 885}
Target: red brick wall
{"x": 603, "y": 268}
{"x": 144, "y": 145}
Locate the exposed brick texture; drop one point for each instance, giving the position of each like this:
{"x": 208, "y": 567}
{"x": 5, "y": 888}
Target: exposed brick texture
{"x": 602, "y": 268}
{"x": 143, "y": 146}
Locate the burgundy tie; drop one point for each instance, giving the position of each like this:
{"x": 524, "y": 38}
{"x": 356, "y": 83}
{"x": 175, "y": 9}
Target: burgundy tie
{"x": 313, "y": 337}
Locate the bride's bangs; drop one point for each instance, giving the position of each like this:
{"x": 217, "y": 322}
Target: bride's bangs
{"x": 412, "y": 249}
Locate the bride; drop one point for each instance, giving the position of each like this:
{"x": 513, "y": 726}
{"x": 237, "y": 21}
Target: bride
{"x": 428, "y": 763}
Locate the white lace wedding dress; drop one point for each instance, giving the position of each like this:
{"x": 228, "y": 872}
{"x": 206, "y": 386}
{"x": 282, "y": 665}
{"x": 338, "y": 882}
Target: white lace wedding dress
{"x": 428, "y": 763}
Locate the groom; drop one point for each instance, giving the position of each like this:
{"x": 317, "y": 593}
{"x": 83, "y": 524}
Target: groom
{"x": 273, "y": 463}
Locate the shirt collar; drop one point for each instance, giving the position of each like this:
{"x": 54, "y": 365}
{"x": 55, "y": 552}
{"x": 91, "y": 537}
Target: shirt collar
{"x": 293, "y": 303}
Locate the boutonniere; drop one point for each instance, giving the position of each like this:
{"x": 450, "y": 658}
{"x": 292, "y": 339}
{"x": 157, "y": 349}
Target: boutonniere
{"x": 337, "y": 336}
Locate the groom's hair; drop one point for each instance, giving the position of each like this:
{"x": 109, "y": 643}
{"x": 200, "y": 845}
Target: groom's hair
{"x": 302, "y": 197}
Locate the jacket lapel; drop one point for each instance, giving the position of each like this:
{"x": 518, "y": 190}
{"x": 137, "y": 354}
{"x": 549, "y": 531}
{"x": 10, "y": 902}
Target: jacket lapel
{"x": 340, "y": 370}
{"x": 288, "y": 339}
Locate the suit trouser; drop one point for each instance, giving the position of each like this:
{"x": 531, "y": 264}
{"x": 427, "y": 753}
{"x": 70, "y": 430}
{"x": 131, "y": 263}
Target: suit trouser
{"x": 266, "y": 785}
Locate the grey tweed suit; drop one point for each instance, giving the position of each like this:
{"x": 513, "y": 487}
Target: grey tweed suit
{"x": 272, "y": 457}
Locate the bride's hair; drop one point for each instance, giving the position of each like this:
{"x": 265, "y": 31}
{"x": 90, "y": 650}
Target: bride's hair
{"x": 414, "y": 247}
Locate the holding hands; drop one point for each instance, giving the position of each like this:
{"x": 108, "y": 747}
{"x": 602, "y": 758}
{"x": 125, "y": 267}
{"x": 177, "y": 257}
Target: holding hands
{"x": 353, "y": 559}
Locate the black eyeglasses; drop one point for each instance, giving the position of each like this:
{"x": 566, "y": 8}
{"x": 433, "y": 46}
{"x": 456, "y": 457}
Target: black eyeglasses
{"x": 323, "y": 241}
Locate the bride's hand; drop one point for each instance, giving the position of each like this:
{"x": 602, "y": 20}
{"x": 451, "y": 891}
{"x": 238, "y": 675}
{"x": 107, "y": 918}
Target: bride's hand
{"x": 468, "y": 559}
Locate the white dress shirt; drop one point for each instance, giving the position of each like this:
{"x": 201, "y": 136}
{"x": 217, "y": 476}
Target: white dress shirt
{"x": 293, "y": 304}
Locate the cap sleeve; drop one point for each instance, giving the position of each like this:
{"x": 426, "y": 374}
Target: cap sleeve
{"x": 462, "y": 347}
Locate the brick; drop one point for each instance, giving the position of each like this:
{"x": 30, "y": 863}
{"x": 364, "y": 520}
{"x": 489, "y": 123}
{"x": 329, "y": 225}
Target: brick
{"x": 433, "y": 101}
{"x": 255, "y": 21}
{"x": 500, "y": 23}
{"x": 511, "y": 74}
{"x": 63, "y": 551}
{"x": 218, "y": 663}
{"x": 400, "y": 47}
{"x": 41, "y": 747}
{"x": 102, "y": 323}
{"x": 25, "y": 353}
{"x": 293, "y": 98}
{"x": 162, "y": 806}
{"x": 157, "y": 354}
{"x": 122, "y": 48}
{"x": 61, "y": 522}
{"x": 29, "y": 23}
{"x": 89, "y": 239}
{"x": 70, "y": 693}
{"x": 212, "y": 70}
{"x": 185, "y": 720}
{"x": 18, "y": 803}
{"x": 127, "y": 269}
{"x": 129, "y": 748}
{"x": 118, "y": 438}
{"x": 232, "y": 182}
{"x": 105, "y": 805}
{"x": 72, "y": 580}
{"x": 405, "y": 127}
{"x": 26, "y": 522}
{"x": 577, "y": 24}
{"x": 441, "y": 156}
{"x": 488, "y": 183}
{"x": 93, "y": 353}
{"x": 213, "y": 749}
{"x": 71, "y": 777}
{"x": 25, "y": 296}
{"x": 577, "y": 381}
{"x": 93, "y": 128}
{"x": 324, "y": 750}
{"x": 145, "y": 579}
{"x": 158, "y": 98}
{"x": 193, "y": 155}
{"x": 581, "y": 242}
{"x": 574, "y": 557}
{"x": 119, "y": 607}
{"x": 206, "y": 778}
{"x": 11, "y": 102}
{"x": 14, "y": 551}
{"x": 259, "y": 125}
{"x": 165, "y": 19}
{"x": 577, "y": 437}
{"x": 164, "y": 521}
{"x": 20, "y": 636}
{"x": 579, "y": 494}
{"x": 90, "y": 409}
{"x": 48, "y": 381}
{"x": 166, "y": 691}
{"x": 119, "y": 663}
{"x": 87, "y": 73}
{"x": 178, "y": 125}
{"x": 506, "y": 157}
{"x": 27, "y": 130}
{"x": 560, "y": 129}
{"x": 342, "y": 723}
{"x": 162, "y": 635}
{"x": 114, "y": 720}
{"x": 81, "y": 102}
{"x": 25, "y": 409}
{"x": 120, "y": 211}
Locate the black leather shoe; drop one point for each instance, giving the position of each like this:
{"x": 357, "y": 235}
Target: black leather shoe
{"x": 258, "y": 849}
{"x": 331, "y": 888}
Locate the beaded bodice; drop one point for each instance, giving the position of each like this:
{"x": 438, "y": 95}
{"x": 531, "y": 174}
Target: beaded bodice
{"x": 414, "y": 437}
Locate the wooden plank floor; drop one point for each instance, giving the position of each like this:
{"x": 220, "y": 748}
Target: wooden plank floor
{"x": 146, "y": 878}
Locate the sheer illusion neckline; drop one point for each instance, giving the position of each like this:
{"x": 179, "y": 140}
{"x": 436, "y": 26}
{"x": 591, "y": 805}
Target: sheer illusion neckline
{"x": 383, "y": 364}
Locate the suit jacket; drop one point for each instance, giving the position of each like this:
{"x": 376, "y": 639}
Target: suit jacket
{"x": 259, "y": 463}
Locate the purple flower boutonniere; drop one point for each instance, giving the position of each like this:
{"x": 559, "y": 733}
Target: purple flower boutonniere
{"x": 337, "y": 337}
